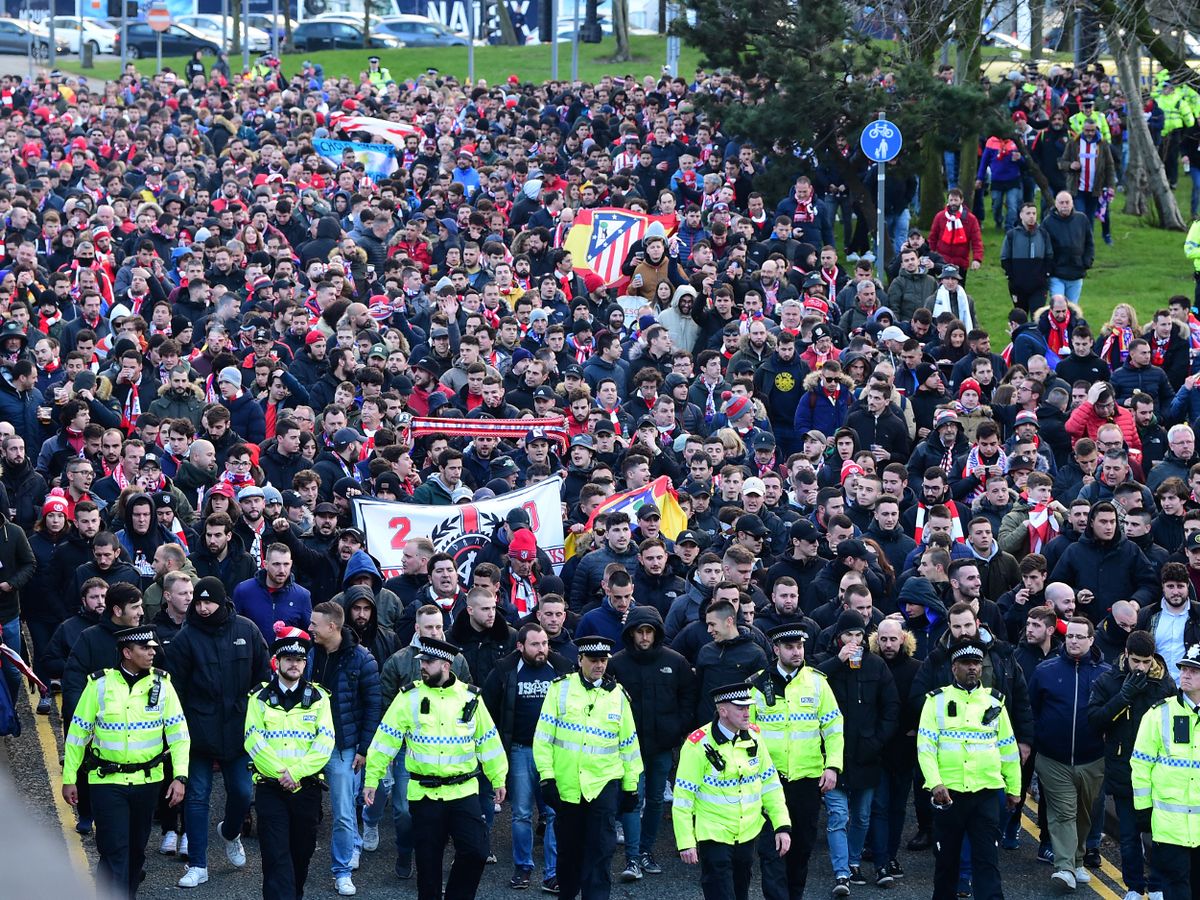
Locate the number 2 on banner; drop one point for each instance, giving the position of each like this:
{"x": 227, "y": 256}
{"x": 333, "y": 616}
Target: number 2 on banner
{"x": 531, "y": 508}
{"x": 402, "y": 527}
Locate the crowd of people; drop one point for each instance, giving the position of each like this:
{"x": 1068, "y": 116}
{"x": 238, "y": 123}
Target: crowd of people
{"x": 917, "y": 573}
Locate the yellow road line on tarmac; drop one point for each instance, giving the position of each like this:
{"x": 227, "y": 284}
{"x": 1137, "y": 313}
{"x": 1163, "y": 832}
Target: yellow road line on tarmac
{"x": 64, "y": 813}
{"x": 1029, "y": 823}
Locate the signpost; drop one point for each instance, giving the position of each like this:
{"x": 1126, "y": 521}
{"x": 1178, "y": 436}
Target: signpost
{"x": 880, "y": 142}
{"x": 158, "y": 17}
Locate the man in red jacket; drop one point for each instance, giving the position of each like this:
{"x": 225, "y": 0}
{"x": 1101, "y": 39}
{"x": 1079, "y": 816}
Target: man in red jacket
{"x": 955, "y": 234}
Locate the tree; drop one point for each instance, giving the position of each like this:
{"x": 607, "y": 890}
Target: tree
{"x": 804, "y": 76}
{"x": 620, "y": 10}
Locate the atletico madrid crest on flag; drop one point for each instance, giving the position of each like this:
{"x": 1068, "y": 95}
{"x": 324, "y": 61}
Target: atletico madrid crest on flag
{"x": 599, "y": 240}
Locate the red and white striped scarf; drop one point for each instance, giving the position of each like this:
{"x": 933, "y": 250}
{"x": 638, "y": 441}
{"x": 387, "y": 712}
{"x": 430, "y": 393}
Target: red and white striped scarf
{"x": 1089, "y": 156}
{"x": 1043, "y": 527}
{"x": 956, "y": 529}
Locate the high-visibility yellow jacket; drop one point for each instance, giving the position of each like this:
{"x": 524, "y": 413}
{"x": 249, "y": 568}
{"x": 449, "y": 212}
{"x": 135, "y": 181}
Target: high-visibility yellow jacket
{"x": 586, "y": 738}
{"x": 965, "y": 741}
{"x": 1177, "y": 110}
{"x": 723, "y": 787}
{"x": 799, "y": 722}
{"x": 1165, "y": 771}
{"x": 1191, "y": 245}
{"x": 127, "y": 725}
{"x": 299, "y": 739}
{"x": 1075, "y": 123}
{"x": 450, "y": 736}
{"x": 380, "y": 77}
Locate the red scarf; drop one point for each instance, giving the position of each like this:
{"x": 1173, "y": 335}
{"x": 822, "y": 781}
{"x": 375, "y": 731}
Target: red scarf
{"x": 956, "y": 233}
{"x": 75, "y": 440}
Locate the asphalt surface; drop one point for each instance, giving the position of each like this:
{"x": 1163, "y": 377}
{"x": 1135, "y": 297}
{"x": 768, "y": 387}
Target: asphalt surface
{"x": 33, "y": 760}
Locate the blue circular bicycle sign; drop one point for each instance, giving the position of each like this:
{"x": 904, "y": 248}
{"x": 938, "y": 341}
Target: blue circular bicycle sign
{"x": 881, "y": 141}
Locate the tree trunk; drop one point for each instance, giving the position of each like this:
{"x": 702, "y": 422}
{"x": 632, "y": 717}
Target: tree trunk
{"x": 969, "y": 29}
{"x": 366, "y": 23}
{"x": 508, "y": 34}
{"x": 620, "y": 10}
{"x": 1037, "y": 23}
{"x": 1145, "y": 174}
{"x": 235, "y": 9}
{"x": 1135, "y": 18}
{"x": 933, "y": 193}
{"x": 662, "y": 16}
{"x": 287, "y": 32}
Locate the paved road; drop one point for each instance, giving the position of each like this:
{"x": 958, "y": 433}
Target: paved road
{"x": 35, "y": 770}
{"x": 11, "y": 64}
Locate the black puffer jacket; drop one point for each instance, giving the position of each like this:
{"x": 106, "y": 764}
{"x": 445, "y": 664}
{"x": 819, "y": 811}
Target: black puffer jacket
{"x": 54, "y": 661}
{"x": 26, "y": 492}
{"x": 214, "y": 665}
{"x": 500, "y": 690}
{"x": 482, "y": 649}
{"x": 17, "y": 565}
{"x": 725, "y": 662}
{"x": 43, "y": 601}
{"x": 1117, "y": 719}
{"x": 660, "y": 684}
{"x": 95, "y": 649}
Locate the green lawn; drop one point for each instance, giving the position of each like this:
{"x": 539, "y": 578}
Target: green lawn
{"x": 495, "y": 64}
{"x": 1144, "y": 266}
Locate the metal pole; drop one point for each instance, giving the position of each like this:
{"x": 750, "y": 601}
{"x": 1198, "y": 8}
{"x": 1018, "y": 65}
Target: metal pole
{"x": 275, "y": 27}
{"x": 50, "y": 54}
{"x": 553, "y": 39}
{"x": 224, "y": 26}
{"x": 79, "y": 17}
{"x": 880, "y": 168}
{"x": 29, "y": 19}
{"x": 124, "y": 37}
{"x": 672, "y": 41}
{"x": 245, "y": 35}
{"x": 471, "y": 40}
{"x": 158, "y": 51}
{"x": 575, "y": 44}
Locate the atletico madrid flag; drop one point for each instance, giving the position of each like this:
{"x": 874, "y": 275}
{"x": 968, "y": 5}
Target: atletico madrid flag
{"x": 599, "y": 240}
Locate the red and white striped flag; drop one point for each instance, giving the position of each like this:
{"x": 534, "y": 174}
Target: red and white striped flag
{"x": 392, "y": 132}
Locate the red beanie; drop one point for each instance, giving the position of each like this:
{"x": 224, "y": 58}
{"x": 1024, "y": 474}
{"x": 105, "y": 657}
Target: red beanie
{"x": 970, "y": 384}
{"x": 737, "y": 407}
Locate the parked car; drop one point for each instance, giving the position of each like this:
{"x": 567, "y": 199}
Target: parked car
{"x": 210, "y": 27}
{"x": 419, "y": 31}
{"x": 335, "y": 35}
{"x": 266, "y": 22}
{"x": 94, "y": 33}
{"x": 17, "y": 36}
{"x": 178, "y": 40}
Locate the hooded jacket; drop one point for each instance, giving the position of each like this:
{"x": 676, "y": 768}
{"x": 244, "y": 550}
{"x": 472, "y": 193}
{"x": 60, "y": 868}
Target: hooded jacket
{"x": 927, "y": 628}
{"x": 1000, "y": 671}
{"x": 54, "y": 658}
{"x": 816, "y": 410}
{"x": 1112, "y": 570}
{"x": 387, "y": 605}
{"x": 1116, "y": 719}
{"x": 780, "y": 385}
{"x": 185, "y": 404}
{"x": 377, "y": 638}
{"x": 1058, "y": 696}
{"x": 660, "y": 684}
{"x": 214, "y": 665}
{"x": 686, "y": 608}
{"x": 482, "y": 649}
{"x": 351, "y": 676}
{"x": 683, "y": 329}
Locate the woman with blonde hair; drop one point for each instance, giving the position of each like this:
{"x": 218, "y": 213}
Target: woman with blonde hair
{"x": 1116, "y": 334}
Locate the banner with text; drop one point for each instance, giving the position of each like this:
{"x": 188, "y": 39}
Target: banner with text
{"x": 379, "y": 159}
{"x": 459, "y": 530}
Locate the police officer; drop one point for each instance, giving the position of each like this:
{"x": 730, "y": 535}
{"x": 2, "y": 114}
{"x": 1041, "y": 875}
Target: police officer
{"x": 724, "y": 784}
{"x": 801, "y": 726}
{"x": 1166, "y": 791}
{"x": 115, "y": 741}
{"x": 378, "y": 75}
{"x": 289, "y": 736}
{"x": 587, "y": 751}
{"x": 450, "y": 738}
{"x": 967, "y": 751}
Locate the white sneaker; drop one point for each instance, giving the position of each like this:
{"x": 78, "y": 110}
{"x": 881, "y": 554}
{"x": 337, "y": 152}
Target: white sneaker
{"x": 345, "y": 887}
{"x": 183, "y": 845}
{"x": 1082, "y": 875}
{"x": 170, "y": 844}
{"x": 193, "y": 877}
{"x": 1064, "y": 879}
{"x": 234, "y": 851}
{"x": 1132, "y": 895}
{"x": 355, "y": 859}
{"x": 668, "y": 796}
{"x": 1155, "y": 895}
{"x": 852, "y": 257}
{"x": 370, "y": 838}
{"x": 620, "y": 833}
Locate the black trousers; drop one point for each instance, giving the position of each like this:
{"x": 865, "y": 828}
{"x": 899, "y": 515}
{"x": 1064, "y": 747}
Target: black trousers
{"x": 1179, "y": 870}
{"x": 976, "y": 816}
{"x": 287, "y": 837}
{"x": 784, "y": 878}
{"x": 169, "y": 818}
{"x": 725, "y": 870}
{"x": 435, "y": 821}
{"x": 123, "y": 814}
{"x": 587, "y": 836}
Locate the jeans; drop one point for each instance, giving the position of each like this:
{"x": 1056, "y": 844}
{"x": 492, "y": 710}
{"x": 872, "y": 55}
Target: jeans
{"x": 846, "y": 829}
{"x": 641, "y": 825}
{"x": 343, "y": 791}
{"x": 1133, "y": 857}
{"x": 523, "y": 793}
{"x": 896, "y": 227}
{"x": 889, "y": 809}
{"x": 396, "y": 784}
{"x": 950, "y": 162}
{"x": 1089, "y": 205}
{"x": 12, "y": 637}
{"x": 238, "y": 787}
{"x": 1069, "y": 289}
{"x": 1007, "y": 199}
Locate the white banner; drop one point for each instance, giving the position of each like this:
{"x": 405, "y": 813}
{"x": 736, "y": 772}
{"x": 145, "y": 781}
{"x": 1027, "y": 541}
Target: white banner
{"x": 459, "y": 530}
